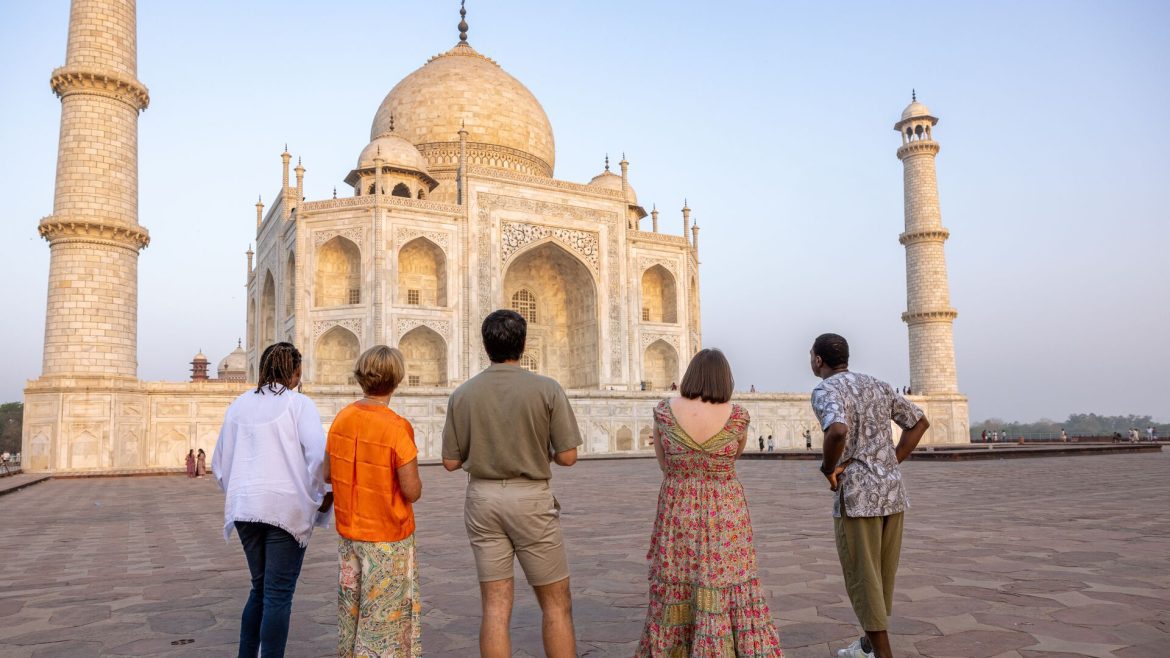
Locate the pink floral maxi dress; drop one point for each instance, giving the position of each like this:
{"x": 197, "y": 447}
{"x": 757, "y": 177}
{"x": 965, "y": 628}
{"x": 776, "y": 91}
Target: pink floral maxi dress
{"x": 705, "y": 594}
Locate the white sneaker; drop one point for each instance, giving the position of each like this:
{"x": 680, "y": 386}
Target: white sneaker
{"x": 853, "y": 651}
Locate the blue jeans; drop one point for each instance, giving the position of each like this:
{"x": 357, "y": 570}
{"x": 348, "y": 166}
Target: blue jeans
{"x": 274, "y": 558}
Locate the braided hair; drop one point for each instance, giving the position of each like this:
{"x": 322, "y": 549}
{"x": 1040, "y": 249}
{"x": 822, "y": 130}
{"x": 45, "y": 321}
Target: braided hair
{"x": 278, "y": 365}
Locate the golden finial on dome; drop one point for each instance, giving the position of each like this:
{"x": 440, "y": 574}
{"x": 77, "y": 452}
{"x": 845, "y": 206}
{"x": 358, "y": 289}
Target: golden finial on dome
{"x": 913, "y": 96}
{"x": 462, "y": 21}
{"x": 607, "y": 162}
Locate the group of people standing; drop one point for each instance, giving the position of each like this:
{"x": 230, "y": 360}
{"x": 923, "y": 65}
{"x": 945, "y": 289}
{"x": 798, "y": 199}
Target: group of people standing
{"x": 196, "y": 464}
{"x": 283, "y": 475}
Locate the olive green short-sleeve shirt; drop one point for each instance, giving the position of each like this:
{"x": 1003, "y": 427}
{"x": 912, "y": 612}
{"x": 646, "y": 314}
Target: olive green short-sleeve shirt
{"x": 506, "y": 422}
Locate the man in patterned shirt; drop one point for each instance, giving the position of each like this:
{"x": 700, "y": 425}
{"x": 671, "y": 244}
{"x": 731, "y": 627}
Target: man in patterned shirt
{"x": 861, "y": 464}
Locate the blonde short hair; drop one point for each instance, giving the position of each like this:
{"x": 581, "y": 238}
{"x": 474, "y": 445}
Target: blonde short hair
{"x": 379, "y": 370}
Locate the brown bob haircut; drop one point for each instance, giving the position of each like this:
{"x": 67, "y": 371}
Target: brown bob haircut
{"x": 708, "y": 378}
{"x": 379, "y": 370}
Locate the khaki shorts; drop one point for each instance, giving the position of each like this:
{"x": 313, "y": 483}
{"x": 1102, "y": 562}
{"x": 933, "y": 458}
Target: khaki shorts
{"x": 517, "y": 518}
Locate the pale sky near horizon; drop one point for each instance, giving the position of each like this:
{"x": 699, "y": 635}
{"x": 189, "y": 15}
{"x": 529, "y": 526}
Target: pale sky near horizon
{"x": 774, "y": 119}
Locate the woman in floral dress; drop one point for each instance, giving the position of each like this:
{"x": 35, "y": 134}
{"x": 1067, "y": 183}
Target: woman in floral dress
{"x": 705, "y": 594}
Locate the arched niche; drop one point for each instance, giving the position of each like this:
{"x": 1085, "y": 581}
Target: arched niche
{"x": 659, "y": 296}
{"x": 401, "y": 190}
{"x": 694, "y": 305}
{"x": 252, "y": 335}
{"x": 337, "y": 351}
{"x": 660, "y": 365}
{"x": 339, "y": 273}
{"x": 290, "y": 285}
{"x": 268, "y": 311}
{"x": 645, "y": 438}
{"x": 422, "y": 274}
{"x": 425, "y": 352}
{"x": 625, "y": 439}
{"x": 565, "y": 299}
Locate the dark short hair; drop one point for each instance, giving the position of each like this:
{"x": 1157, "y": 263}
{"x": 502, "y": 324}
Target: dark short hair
{"x": 278, "y": 364}
{"x": 504, "y": 333}
{"x": 833, "y": 350}
{"x": 708, "y": 377}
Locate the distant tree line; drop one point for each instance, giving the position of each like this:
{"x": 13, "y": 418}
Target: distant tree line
{"x": 11, "y": 421}
{"x": 1076, "y": 425}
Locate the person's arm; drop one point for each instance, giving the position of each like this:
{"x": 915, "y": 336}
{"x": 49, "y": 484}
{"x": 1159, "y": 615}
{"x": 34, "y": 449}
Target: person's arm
{"x": 831, "y": 415}
{"x": 910, "y": 439}
{"x": 834, "y": 447}
{"x": 913, "y": 423}
{"x": 742, "y": 446}
{"x": 409, "y": 482}
{"x": 566, "y": 457}
{"x": 744, "y": 439}
{"x": 217, "y": 458}
{"x": 659, "y": 451}
{"x": 453, "y": 456}
{"x": 564, "y": 435}
{"x": 311, "y": 435}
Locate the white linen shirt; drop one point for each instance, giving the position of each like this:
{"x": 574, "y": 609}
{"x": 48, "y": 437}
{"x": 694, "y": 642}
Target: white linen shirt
{"x": 268, "y": 461}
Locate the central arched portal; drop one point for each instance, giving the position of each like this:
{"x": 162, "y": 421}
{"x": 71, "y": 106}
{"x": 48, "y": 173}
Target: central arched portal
{"x": 559, "y": 298}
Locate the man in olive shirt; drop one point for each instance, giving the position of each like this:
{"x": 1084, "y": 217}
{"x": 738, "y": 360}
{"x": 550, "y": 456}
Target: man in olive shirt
{"x": 503, "y": 427}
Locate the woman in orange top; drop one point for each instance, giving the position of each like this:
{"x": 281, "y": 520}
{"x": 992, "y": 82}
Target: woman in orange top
{"x": 373, "y": 467}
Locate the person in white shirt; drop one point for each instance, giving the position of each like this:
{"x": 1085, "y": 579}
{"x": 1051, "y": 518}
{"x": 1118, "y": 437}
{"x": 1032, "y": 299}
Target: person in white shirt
{"x": 268, "y": 460}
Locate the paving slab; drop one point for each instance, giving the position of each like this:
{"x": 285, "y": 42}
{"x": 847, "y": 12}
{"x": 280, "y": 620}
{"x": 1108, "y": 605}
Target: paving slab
{"x": 1002, "y": 559}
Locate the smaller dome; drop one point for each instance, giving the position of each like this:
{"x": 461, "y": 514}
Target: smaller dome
{"x": 612, "y": 181}
{"x": 200, "y": 357}
{"x": 915, "y": 109}
{"x": 395, "y": 151}
{"x": 237, "y": 361}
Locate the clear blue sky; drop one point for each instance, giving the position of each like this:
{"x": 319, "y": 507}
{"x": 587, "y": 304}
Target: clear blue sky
{"x": 774, "y": 119}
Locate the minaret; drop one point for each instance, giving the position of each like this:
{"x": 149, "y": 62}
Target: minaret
{"x": 686, "y": 212}
{"x": 928, "y": 301}
{"x": 91, "y": 319}
{"x": 285, "y": 207}
{"x": 300, "y": 186}
{"x": 199, "y": 368}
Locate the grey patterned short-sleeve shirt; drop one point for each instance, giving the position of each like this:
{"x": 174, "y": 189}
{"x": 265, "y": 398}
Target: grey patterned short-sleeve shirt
{"x": 872, "y": 484}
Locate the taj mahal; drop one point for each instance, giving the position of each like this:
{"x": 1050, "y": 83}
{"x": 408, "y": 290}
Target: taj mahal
{"x": 452, "y": 209}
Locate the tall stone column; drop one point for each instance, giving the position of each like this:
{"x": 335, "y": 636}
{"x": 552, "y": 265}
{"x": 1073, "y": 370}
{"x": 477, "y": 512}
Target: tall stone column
{"x": 928, "y": 304}
{"x": 91, "y": 322}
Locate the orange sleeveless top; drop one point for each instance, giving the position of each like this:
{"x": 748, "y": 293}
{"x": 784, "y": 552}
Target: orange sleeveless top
{"x": 366, "y": 446}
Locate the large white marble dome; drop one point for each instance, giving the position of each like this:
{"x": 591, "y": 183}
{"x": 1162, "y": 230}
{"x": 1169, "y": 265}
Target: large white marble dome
{"x": 463, "y": 89}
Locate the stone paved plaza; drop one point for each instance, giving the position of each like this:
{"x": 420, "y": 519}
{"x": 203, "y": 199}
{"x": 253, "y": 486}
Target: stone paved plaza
{"x": 1029, "y": 557}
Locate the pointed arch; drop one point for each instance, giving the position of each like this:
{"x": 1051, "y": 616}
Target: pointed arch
{"x": 334, "y": 356}
{"x": 422, "y": 274}
{"x": 401, "y": 190}
{"x": 659, "y": 296}
{"x": 645, "y": 438}
{"x": 659, "y": 365}
{"x": 339, "y": 273}
{"x": 268, "y": 310}
{"x": 425, "y": 352}
{"x": 290, "y": 285}
{"x": 625, "y": 439}
{"x": 565, "y": 329}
